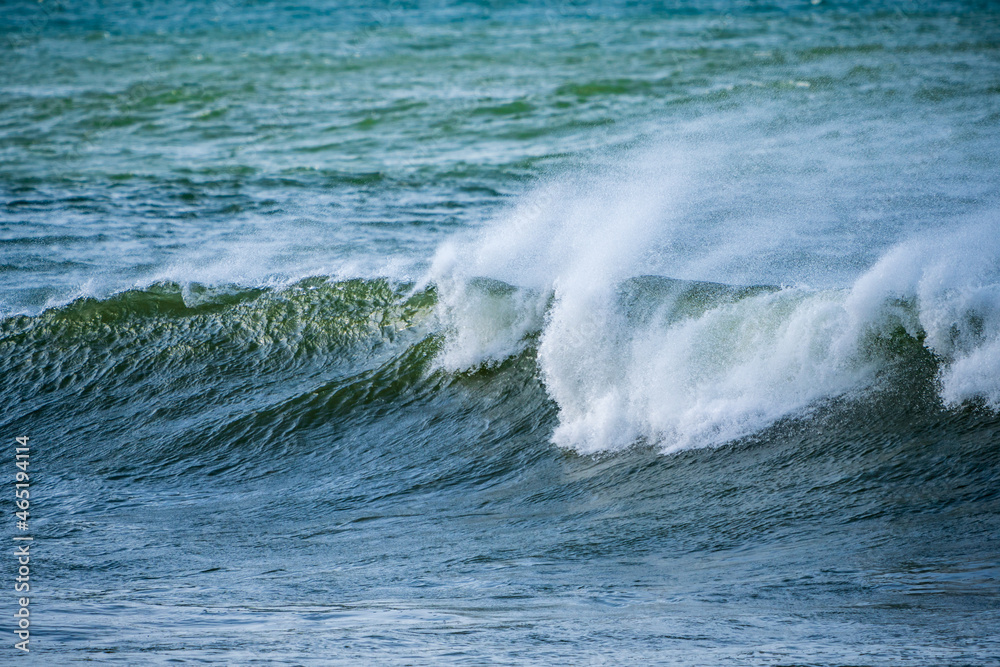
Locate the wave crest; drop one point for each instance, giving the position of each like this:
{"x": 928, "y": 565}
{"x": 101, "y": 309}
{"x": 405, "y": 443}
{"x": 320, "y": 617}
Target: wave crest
{"x": 628, "y": 356}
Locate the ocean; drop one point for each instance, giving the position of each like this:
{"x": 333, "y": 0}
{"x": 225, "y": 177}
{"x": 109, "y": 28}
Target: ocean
{"x": 500, "y": 332}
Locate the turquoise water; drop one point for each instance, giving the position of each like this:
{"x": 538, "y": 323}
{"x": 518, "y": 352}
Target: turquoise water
{"x": 504, "y": 333}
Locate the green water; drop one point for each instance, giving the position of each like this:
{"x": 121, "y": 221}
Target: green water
{"x": 503, "y": 332}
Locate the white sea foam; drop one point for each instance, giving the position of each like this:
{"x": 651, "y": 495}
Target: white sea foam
{"x": 704, "y": 367}
{"x": 953, "y": 276}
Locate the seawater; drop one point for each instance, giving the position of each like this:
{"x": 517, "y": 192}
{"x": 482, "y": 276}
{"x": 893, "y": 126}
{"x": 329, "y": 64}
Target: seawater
{"x": 504, "y": 332}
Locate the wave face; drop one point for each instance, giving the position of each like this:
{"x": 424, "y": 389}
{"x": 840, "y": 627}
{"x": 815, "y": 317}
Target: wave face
{"x": 649, "y": 360}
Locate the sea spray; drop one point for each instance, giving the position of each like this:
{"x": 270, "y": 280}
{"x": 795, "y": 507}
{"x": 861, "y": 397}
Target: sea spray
{"x": 628, "y": 356}
{"x": 953, "y": 280}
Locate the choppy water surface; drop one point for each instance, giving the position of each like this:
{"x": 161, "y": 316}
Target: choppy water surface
{"x": 505, "y": 332}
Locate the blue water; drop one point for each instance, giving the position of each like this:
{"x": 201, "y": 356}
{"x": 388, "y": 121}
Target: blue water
{"x": 503, "y": 332}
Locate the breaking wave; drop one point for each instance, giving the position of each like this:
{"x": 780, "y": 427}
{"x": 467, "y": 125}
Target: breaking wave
{"x": 576, "y": 272}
